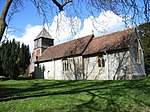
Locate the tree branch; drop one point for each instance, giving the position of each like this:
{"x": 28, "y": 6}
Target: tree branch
{"x": 5, "y": 10}
{"x": 61, "y": 6}
{"x": 3, "y": 18}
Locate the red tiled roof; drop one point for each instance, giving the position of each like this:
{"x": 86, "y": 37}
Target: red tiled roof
{"x": 113, "y": 41}
{"x": 71, "y": 48}
{"x": 89, "y": 45}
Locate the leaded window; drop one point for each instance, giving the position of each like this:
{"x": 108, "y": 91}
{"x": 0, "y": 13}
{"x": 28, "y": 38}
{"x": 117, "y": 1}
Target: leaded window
{"x": 101, "y": 61}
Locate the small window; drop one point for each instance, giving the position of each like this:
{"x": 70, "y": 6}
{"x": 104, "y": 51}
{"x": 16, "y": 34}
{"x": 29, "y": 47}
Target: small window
{"x": 65, "y": 65}
{"x": 101, "y": 61}
{"x": 136, "y": 51}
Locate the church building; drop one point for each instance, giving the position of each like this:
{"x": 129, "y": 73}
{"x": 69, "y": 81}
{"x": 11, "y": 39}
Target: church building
{"x": 116, "y": 56}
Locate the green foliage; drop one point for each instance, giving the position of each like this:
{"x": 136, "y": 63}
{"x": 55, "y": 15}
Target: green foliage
{"x": 23, "y": 59}
{"x": 14, "y": 59}
{"x": 144, "y": 32}
{"x": 75, "y": 96}
{"x": 1, "y": 70}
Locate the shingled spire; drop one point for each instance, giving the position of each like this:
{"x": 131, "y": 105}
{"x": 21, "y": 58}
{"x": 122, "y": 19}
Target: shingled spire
{"x": 44, "y": 33}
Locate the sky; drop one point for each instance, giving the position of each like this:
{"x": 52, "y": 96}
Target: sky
{"x": 61, "y": 26}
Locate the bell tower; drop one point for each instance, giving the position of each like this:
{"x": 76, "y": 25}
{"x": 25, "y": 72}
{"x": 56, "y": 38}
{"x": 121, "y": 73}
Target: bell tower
{"x": 42, "y": 42}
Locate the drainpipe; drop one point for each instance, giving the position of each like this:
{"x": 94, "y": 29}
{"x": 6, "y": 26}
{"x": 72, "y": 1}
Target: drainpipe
{"x": 54, "y": 69}
{"x": 107, "y": 65}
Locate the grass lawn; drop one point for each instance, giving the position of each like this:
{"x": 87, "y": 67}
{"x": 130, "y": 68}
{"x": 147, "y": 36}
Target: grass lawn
{"x": 40, "y": 95}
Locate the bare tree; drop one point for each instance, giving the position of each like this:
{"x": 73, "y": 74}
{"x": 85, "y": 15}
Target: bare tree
{"x": 61, "y": 6}
{"x": 10, "y": 8}
{"x": 3, "y": 18}
{"x": 132, "y": 11}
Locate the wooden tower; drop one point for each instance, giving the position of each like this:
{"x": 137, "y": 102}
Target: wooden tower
{"x": 42, "y": 42}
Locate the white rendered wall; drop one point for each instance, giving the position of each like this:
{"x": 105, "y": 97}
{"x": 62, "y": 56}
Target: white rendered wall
{"x": 116, "y": 66}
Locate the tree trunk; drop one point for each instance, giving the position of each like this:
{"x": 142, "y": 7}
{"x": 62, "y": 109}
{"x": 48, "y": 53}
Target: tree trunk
{"x": 3, "y": 18}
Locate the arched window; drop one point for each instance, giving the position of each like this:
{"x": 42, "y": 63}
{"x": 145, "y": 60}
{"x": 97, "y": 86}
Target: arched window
{"x": 136, "y": 51}
{"x": 101, "y": 61}
{"x": 65, "y": 65}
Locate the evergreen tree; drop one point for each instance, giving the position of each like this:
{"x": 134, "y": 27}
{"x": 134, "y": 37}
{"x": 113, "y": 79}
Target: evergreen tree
{"x": 1, "y": 70}
{"x": 14, "y": 59}
{"x": 5, "y": 53}
{"x": 23, "y": 58}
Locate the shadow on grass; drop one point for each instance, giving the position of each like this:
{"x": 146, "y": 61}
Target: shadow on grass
{"x": 18, "y": 78}
{"x": 4, "y": 79}
{"x": 103, "y": 95}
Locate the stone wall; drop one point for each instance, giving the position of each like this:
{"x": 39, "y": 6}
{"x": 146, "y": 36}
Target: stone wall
{"x": 55, "y": 69}
{"x": 137, "y": 58}
{"x": 116, "y": 67}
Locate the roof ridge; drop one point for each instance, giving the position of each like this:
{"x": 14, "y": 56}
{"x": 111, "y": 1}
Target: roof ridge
{"x": 71, "y": 40}
{"x": 85, "y": 46}
{"x": 127, "y": 29}
{"x": 115, "y": 40}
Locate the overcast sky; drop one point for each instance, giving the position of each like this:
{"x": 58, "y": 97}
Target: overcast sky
{"x": 29, "y": 24}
